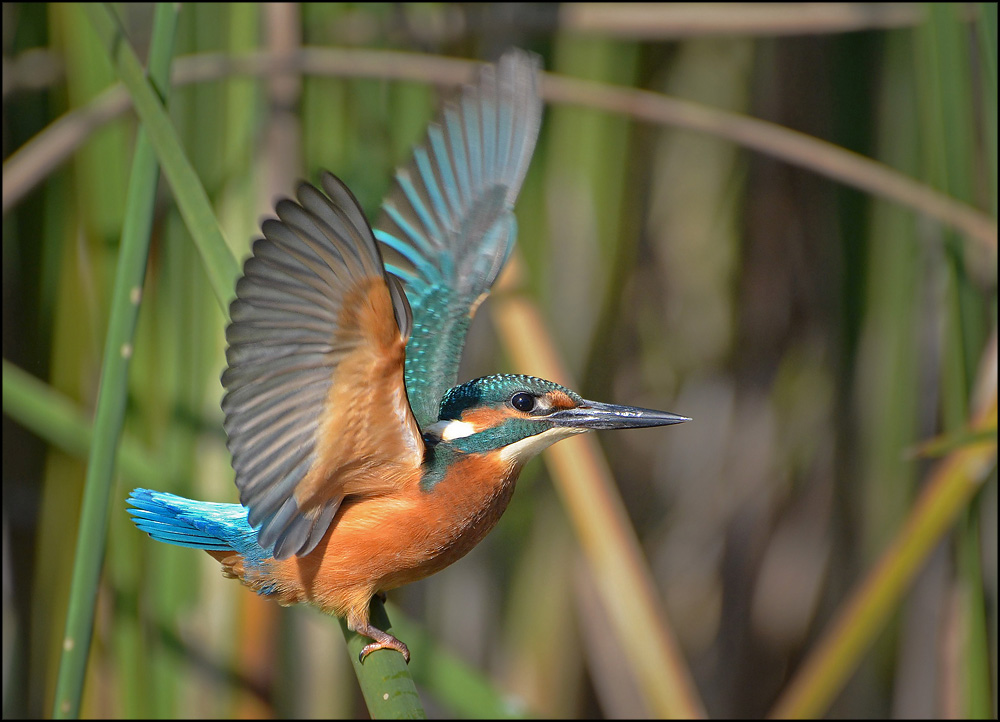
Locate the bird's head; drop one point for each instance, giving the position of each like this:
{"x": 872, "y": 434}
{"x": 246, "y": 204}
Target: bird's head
{"x": 518, "y": 416}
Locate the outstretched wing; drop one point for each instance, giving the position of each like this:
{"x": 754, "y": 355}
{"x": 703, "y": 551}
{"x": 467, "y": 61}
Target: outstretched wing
{"x": 448, "y": 227}
{"x": 315, "y": 404}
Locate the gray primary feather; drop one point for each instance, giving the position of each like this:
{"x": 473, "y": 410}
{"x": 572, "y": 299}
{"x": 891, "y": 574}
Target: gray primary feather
{"x": 282, "y": 356}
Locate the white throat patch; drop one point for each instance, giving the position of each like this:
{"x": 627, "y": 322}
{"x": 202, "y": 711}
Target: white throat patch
{"x": 522, "y": 451}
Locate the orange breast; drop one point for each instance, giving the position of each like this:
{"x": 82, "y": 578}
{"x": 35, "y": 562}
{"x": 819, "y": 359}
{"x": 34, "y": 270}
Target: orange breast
{"x": 379, "y": 543}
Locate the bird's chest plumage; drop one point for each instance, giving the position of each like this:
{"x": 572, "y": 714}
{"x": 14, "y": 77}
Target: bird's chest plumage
{"x": 383, "y": 542}
{"x": 434, "y": 526}
{"x": 463, "y": 506}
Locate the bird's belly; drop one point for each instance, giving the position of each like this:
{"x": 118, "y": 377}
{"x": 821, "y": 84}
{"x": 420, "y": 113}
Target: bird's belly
{"x": 381, "y": 543}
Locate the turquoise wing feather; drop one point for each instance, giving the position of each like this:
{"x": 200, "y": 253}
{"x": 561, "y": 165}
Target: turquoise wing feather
{"x": 448, "y": 226}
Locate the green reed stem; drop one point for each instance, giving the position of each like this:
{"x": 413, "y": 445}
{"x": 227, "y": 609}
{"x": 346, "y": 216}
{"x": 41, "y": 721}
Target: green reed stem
{"x": 385, "y": 680}
{"x": 192, "y": 201}
{"x": 113, "y": 390}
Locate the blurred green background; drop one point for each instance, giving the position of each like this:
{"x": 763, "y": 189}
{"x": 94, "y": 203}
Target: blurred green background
{"x": 814, "y": 331}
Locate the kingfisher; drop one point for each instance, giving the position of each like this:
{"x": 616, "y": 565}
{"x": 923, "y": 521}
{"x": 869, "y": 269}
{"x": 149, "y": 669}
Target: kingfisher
{"x": 361, "y": 465}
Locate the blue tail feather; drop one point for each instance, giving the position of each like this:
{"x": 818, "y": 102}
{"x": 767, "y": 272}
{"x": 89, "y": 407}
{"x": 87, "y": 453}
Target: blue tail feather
{"x": 196, "y": 524}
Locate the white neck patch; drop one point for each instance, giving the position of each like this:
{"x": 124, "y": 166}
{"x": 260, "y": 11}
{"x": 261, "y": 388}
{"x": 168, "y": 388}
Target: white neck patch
{"x": 451, "y": 429}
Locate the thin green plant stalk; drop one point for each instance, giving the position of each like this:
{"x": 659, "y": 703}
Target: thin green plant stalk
{"x": 951, "y": 486}
{"x": 982, "y": 686}
{"x": 76, "y": 261}
{"x": 949, "y": 130}
{"x": 974, "y": 661}
{"x": 219, "y": 262}
{"x": 113, "y": 394}
{"x": 386, "y": 683}
{"x": 464, "y": 689}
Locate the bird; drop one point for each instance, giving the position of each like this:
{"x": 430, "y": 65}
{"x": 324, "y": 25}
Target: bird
{"x": 361, "y": 464}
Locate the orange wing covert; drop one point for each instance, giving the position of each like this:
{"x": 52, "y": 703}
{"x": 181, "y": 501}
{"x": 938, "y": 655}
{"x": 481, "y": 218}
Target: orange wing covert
{"x": 316, "y": 407}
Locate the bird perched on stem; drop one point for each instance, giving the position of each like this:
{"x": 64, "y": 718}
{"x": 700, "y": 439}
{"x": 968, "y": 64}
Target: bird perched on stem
{"x": 359, "y": 466}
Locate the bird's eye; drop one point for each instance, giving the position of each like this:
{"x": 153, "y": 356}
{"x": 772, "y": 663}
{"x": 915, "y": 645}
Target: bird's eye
{"x": 522, "y": 401}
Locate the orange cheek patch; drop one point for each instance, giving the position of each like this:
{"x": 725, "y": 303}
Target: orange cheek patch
{"x": 561, "y": 400}
{"x": 485, "y": 418}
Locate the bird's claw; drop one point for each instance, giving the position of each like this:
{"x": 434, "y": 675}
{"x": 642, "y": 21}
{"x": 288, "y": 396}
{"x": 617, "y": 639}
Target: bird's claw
{"x": 390, "y": 643}
{"x": 380, "y": 640}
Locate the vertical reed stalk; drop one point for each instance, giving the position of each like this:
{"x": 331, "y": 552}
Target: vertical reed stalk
{"x": 113, "y": 390}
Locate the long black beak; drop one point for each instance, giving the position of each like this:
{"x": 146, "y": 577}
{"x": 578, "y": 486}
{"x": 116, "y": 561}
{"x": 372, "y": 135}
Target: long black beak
{"x": 595, "y": 415}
